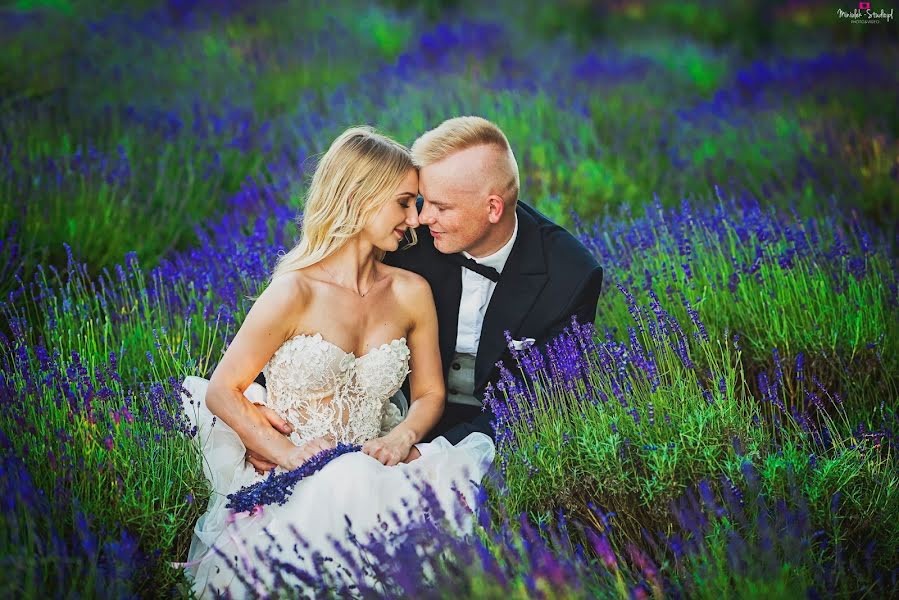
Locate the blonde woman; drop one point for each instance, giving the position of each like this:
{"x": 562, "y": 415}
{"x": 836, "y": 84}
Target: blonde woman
{"x": 336, "y": 332}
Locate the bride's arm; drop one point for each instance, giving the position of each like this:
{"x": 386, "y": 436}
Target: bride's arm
{"x": 267, "y": 325}
{"x": 426, "y": 377}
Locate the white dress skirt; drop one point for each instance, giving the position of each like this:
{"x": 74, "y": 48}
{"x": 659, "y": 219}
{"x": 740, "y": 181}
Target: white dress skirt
{"x": 321, "y": 390}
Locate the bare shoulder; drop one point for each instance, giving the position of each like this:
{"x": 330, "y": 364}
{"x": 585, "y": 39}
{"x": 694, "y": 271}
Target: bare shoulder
{"x": 409, "y": 288}
{"x": 286, "y": 294}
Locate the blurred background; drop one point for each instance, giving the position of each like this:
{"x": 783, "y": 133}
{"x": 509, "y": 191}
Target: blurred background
{"x": 122, "y": 114}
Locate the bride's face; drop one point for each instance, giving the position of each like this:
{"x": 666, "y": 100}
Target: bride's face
{"x": 388, "y": 227}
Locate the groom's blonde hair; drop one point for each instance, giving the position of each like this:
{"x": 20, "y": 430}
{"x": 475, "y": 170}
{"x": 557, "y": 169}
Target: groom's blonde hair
{"x": 356, "y": 176}
{"x": 462, "y": 133}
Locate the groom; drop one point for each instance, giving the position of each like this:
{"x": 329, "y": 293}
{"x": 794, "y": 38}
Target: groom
{"x": 493, "y": 263}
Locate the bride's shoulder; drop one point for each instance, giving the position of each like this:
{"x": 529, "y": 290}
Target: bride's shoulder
{"x": 276, "y": 307}
{"x": 405, "y": 279}
{"x": 409, "y": 287}
{"x": 288, "y": 288}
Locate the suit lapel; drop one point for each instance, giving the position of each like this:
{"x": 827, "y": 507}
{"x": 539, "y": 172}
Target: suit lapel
{"x": 448, "y": 313}
{"x": 522, "y": 279}
{"x": 445, "y": 279}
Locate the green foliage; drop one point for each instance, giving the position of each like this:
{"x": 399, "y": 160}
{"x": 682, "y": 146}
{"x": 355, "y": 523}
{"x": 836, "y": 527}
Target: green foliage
{"x": 631, "y": 442}
{"x": 147, "y": 181}
{"x": 128, "y": 471}
{"x": 846, "y": 323}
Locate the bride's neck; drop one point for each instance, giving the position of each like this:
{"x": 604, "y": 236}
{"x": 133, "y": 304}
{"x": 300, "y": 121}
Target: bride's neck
{"x": 353, "y": 266}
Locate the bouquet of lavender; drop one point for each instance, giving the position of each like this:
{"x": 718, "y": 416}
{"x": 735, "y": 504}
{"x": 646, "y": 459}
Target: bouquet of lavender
{"x": 277, "y": 487}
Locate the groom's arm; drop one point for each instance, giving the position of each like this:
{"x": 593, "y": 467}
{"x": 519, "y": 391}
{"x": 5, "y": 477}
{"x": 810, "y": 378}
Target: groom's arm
{"x": 583, "y": 306}
{"x": 480, "y": 423}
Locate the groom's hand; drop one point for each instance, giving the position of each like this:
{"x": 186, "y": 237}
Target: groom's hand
{"x": 259, "y": 463}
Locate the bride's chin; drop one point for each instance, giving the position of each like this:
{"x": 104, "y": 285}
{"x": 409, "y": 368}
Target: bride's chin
{"x": 389, "y": 247}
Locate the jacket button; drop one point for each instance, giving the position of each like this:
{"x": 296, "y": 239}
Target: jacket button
{"x": 453, "y": 391}
{"x": 456, "y": 366}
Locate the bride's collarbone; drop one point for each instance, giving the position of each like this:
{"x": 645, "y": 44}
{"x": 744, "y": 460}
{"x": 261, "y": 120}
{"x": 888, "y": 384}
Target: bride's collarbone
{"x": 334, "y": 300}
{"x": 379, "y": 290}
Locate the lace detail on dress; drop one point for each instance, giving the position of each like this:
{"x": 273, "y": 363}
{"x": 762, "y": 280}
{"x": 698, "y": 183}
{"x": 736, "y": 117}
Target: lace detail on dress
{"x": 323, "y": 391}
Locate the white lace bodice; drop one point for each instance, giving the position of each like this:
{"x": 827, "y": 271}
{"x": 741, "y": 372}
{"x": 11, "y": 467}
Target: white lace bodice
{"x": 322, "y": 390}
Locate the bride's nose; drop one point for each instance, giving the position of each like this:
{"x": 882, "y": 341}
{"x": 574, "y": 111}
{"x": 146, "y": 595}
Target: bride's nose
{"x": 412, "y": 216}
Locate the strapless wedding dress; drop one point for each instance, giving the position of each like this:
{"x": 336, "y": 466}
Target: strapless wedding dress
{"x": 321, "y": 390}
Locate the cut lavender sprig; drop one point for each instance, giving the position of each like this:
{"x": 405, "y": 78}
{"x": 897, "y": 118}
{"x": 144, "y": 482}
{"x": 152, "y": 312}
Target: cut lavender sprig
{"x": 277, "y": 487}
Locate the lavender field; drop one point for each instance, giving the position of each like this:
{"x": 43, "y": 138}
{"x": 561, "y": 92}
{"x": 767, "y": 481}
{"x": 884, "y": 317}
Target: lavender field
{"x": 727, "y": 428}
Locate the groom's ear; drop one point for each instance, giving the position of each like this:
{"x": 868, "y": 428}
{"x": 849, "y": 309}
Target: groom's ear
{"x": 496, "y": 207}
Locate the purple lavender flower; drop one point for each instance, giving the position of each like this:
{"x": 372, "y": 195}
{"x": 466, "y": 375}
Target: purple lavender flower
{"x": 277, "y": 487}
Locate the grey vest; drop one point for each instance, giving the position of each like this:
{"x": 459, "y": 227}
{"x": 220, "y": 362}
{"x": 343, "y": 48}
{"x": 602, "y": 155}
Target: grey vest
{"x": 460, "y": 380}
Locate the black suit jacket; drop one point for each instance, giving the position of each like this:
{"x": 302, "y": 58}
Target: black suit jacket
{"x": 548, "y": 277}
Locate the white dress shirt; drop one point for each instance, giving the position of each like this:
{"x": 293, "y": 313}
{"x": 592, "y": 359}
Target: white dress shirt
{"x": 476, "y": 293}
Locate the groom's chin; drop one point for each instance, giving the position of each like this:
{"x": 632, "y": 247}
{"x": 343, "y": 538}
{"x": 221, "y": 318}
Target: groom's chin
{"x": 440, "y": 246}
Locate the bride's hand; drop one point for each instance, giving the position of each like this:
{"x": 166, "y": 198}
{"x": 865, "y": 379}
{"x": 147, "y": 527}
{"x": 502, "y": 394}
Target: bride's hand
{"x": 274, "y": 419}
{"x": 389, "y": 450}
{"x": 301, "y": 454}
{"x": 259, "y": 462}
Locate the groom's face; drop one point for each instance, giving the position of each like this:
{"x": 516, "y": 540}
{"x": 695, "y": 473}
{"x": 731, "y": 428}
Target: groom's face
{"x": 455, "y": 205}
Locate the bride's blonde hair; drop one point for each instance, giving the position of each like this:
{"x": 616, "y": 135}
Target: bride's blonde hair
{"x": 357, "y": 175}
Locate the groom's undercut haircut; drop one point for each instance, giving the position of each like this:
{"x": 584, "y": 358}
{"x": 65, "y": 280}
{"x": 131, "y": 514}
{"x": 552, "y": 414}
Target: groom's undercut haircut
{"x": 462, "y": 133}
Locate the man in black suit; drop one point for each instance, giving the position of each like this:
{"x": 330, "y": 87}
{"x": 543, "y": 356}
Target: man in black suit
{"x": 493, "y": 263}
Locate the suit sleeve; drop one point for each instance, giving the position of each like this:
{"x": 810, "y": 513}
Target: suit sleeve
{"x": 480, "y": 423}
{"x": 582, "y": 305}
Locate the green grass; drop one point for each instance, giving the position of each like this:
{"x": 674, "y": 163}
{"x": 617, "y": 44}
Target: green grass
{"x": 163, "y": 197}
{"x": 632, "y": 441}
{"x": 845, "y": 326}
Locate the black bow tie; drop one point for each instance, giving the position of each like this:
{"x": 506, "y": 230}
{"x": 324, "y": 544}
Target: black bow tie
{"x": 469, "y": 263}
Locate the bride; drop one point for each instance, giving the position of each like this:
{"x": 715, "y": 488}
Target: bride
{"x": 336, "y": 332}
